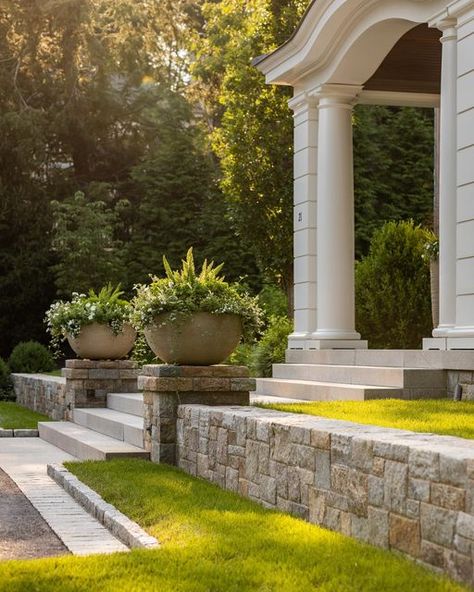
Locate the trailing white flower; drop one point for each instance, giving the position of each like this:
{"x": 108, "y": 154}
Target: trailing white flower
{"x": 105, "y": 307}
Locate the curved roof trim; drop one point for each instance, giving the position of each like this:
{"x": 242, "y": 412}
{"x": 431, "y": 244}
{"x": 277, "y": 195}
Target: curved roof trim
{"x": 329, "y": 28}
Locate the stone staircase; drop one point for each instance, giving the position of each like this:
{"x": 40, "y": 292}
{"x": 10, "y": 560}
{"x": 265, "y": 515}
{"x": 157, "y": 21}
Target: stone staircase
{"x": 101, "y": 433}
{"x": 342, "y": 375}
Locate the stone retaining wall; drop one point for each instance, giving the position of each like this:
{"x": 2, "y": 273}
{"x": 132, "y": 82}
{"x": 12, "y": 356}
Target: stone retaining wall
{"x": 465, "y": 378}
{"x": 85, "y": 383}
{"x": 88, "y": 382}
{"x": 42, "y": 393}
{"x": 413, "y": 493}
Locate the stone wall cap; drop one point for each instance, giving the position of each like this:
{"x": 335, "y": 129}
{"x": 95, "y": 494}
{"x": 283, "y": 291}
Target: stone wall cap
{"x": 448, "y": 446}
{"x": 101, "y": 364}
{"x": 177, "y": 371}
{"x": 41, "y": 377}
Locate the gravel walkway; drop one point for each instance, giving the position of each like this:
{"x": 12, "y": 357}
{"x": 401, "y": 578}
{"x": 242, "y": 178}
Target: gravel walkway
{"x": 23, "y": 532}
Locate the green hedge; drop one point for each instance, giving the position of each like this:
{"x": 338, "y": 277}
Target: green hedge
{"x": 393, "y": 301}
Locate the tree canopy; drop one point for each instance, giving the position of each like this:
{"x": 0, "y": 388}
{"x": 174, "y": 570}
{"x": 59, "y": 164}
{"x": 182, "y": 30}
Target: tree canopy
{"x": 133, "y": 129}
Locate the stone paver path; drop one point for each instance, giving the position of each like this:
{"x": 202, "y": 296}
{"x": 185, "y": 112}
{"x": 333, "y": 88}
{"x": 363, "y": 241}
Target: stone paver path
{"x": 24, "y": 460}
{"x": 23, "y": 533}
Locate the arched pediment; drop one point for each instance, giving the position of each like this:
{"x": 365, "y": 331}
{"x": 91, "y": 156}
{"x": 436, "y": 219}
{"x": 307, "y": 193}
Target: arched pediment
{"x": 344, "y": 41}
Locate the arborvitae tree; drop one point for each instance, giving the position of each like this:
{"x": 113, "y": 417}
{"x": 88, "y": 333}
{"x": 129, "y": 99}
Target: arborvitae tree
{"x": 87, "y": 252}
{"x": 393, "y": 304}
{"x": 176, "y": 202}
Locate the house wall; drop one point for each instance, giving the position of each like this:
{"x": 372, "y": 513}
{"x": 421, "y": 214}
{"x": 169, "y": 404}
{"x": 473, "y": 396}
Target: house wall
{"x": 465, "y": 173}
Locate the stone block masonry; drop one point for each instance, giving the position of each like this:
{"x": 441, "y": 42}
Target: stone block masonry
{"x": 413, "y": 493}
{"x": 165, "y": 387}
{"x": 88, "y": 382}
{"x": 42, "y": 393}
{"x": 85, "y": 383}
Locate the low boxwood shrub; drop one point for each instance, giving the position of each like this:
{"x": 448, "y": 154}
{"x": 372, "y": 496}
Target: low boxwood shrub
{"x": 271, "y": 347}
{"x": 393, "y": 300}
{"x": 31, "y": 357}
{"x": 6, "y": 386}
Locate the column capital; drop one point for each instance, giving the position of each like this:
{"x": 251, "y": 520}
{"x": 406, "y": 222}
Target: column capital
{"x": 302, "y": 102}
{"x": 343, "y": 95}
{"x": 446, "y": 23}
{"x": 448, "y": 26}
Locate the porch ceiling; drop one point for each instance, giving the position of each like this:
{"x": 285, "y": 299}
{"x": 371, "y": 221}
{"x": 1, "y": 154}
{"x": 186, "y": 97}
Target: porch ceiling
{"x": 413, "y": 65}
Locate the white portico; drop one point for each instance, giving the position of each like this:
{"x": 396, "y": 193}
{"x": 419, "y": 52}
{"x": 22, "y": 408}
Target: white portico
{"x": 391, "y": 52}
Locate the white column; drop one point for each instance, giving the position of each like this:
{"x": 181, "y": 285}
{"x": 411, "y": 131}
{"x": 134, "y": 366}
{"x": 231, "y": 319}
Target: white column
{"x": 304, "y": 221}
{"x": 462, "y": 335}
{"x": 447, "y": 181}
{"x": 335, "y": 214}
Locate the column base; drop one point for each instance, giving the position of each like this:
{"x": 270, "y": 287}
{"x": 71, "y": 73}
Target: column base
{"x": 435, "y": 343}
{"x": 337, "y": 344}
{"x": 449, "y": 343}
{"x": 298, "y": 340}
{"x": 442, "y": 331}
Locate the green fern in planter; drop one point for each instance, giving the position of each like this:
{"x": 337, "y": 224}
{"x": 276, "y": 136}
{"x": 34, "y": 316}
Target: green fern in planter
{"x": 186, "y": 291}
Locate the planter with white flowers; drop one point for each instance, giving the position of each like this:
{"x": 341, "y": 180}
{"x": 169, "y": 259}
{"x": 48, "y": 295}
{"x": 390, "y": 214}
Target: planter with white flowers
{"x": 96, "y": 325}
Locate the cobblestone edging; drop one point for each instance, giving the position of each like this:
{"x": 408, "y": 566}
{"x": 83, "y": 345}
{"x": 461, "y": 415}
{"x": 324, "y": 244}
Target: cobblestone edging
{"x": 18, "y": 433}
{"x": 396, "y": 489}
{"x": 127, "y": 531}
{"x": 42, "y": 393}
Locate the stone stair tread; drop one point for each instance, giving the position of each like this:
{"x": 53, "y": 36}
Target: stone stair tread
{"x": 313, "y": 390}
{"x": 328, "y": 384}
{"x": 388, "y": 376}
{"x": 113, "y": 415}
{"x": 131, "y": 403}
{"x": 85, "y": 443}
{"x": 113, "y": 423}
{"x": 350, "y": 366}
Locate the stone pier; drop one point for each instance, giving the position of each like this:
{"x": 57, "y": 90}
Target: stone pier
{"x": 166, "y": 387}
{"x": 89, "y": 381}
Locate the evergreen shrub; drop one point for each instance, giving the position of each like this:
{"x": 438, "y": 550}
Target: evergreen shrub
{"x": 271, "y": 348}
{"x": 6, "y": 386}
{"x": 393, "y": 303}
{"x": 273, "y": 301}
{"x": 31, "y": 357}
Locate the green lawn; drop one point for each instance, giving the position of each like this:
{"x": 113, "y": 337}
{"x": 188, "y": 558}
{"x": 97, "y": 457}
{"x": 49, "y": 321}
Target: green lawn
{"x": 214, "y": 541}
{"x": 13, "y": 416}
{"x": 438, "y": 416}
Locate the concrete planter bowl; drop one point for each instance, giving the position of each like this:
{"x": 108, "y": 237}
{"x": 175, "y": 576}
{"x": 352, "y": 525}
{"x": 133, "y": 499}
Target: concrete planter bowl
{"x": 201, "y": 339}
{"x": 99, "y": 342}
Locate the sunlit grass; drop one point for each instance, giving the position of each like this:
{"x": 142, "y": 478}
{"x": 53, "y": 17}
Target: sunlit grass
{"x": 13, "y": 416}
{"x": 214, "y": 541}
{"x": 437, "y": 416}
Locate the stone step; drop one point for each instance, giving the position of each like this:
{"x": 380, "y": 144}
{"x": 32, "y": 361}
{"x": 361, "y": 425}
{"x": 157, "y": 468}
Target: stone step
{"x": 118, "y": 425}
{"x": 324, "y": 391}
{"x": 373, "y": 375}
{"x": 126, "y": 403}
{"x": 85, "y": 443}
{"x": 384, "y": 357}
